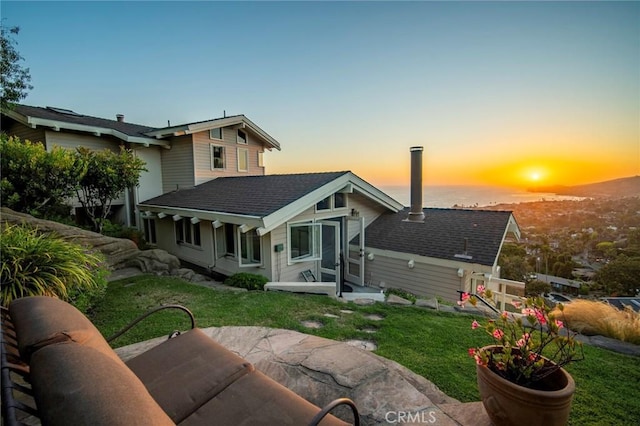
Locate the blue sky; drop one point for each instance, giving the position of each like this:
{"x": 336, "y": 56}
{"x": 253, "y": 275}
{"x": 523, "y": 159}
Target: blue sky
{"x": 495, "y": 91}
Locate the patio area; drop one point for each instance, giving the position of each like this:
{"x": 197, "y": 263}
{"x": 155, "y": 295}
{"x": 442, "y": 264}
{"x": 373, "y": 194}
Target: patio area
{"x": 320, "y": 370}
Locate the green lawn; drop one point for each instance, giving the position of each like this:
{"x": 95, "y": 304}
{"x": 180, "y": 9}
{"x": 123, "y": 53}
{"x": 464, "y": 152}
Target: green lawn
{"x": 429, "y": 343}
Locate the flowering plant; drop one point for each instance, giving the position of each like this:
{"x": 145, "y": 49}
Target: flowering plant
{"x": 528, "y": 346}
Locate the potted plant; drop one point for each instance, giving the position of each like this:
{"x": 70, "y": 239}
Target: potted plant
{"x": 520, "y": 375}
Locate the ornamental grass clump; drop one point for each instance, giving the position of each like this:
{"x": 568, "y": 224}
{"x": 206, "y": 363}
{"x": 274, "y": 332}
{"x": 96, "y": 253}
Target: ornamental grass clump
{"x": 38, "y": 263}
{"x": 527, "y": 346}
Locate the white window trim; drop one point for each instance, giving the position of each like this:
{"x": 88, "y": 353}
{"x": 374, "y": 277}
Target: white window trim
{"x": 246, "y": 154}
{"x": 214, "y": 138}
{"x": 246, "y": 137}
{"x": 224, "y": 156}
{"x": 316, "y": 242}
{"x": 239, "y": 240}
{"x": 332, "y": 204}
{"x": 185, "y": 221}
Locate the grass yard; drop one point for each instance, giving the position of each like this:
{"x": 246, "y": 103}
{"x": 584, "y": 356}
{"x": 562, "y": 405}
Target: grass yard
{"x": 429, "y": 343}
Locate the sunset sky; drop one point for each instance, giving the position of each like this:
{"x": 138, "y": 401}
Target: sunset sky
{"x": 498, "y": 93}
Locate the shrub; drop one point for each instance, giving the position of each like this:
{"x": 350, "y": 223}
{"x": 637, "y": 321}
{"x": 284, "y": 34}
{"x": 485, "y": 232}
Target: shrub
{"x": 116, "y": 230}
{"x": 247, "y": 280}
{"x": 44, "y": 264}
{"x": 593, "y": 318}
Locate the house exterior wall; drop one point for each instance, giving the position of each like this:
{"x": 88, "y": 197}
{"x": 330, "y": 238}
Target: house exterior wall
{"x": 73, "y": 140}
{"x": 290, "y": 272}
{"x": 25, "y": 132}
{"x": 424, "y": 279}
{"x": 150, "y": 181}
{"x": 275, "y": 265}
{"x": 202, "y": 155}
{"x": 178, "y": 164}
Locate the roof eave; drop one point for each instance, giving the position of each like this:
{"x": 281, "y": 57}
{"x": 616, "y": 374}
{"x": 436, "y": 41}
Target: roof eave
{"x": 187, "y": 129}
{"x": 58, "y": 125}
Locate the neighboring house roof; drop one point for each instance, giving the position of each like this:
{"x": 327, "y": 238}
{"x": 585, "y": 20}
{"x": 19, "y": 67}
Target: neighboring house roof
{"x": 269, "y": 200}
{"x": 470, "y": 236}
{"x": 199, "y": 126}
{"x": 60, "y": 118}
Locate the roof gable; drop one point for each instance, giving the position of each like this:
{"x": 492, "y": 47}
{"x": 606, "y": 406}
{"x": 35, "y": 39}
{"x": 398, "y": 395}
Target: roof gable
{"x": 200, "y": 126}
{"x": 268, "y": 200}
{"x": 245, "y": 195}
{"x": 470, "y": 236}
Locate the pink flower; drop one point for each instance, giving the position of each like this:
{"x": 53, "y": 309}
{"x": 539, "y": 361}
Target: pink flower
{"x": 498, "y": 334}
{"x": 479, "y": 360}
{"x": 540, "y": 316}
{"x": 504, "y": 315}
{"x": 474, "y": 325}
{"x": 481, "y": 289}
{"x": 528, "y": 312}
{"x": 523, "y": 341}
{"x": 559, "y": 324}
{"x": 516, "y": 304}
{"x": 465, "y": 297}
{"x": 472, "y": 352}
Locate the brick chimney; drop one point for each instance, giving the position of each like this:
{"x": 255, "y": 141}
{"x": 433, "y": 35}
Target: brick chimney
{"x": 120, "y": 117}
{"x": 416, "y": 214}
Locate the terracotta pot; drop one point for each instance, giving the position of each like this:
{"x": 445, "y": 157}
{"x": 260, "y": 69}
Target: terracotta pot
{"x": 507, "y": 403}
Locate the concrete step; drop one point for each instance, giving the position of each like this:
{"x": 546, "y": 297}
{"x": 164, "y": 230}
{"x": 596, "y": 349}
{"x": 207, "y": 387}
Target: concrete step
{"x": 303, "y": 287}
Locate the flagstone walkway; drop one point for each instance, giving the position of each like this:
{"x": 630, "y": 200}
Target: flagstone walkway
{"x": 321, "y": 370}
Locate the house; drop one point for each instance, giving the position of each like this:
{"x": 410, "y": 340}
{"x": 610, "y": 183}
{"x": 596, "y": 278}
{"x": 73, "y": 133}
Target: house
{"x": 207, "y": 199}
{"x": 175, "y": 156}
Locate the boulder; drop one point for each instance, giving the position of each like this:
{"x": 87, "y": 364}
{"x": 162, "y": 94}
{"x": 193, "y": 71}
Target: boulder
{"x": 117, "y": 251}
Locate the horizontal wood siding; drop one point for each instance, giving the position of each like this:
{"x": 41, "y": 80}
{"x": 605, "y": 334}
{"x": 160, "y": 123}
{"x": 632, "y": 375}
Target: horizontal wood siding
{"x": 282, "y": 271}
{"x": 366, "y": 208}
{"x": 422, "y": 280}
{"x": 166, "y": 240}
{"x": 178, "y": 164}
{"x": 72, "y": 141}
{"x": 201, "y": 148}
{"x": 25, "y": 132}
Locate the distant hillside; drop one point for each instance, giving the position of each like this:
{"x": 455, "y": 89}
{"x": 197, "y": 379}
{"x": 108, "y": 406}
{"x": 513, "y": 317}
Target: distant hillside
{"x": 624, "y": 187}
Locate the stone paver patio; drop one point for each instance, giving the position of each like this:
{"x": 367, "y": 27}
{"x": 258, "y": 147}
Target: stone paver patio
{"x": 321, "y": 370}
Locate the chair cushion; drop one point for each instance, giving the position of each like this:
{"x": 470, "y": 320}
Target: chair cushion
{"x": 79, "y": 385}
{"x": 255, "y": 399}
{"x": 40, "y": 321}
{"x": 185, "y": 372}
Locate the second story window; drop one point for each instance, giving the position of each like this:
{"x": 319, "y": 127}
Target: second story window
{"x": 243, "y": 160}
{"x": 215, "y": 133}
{"x": 217, "y": 157}
{"x": 242, "y": 137}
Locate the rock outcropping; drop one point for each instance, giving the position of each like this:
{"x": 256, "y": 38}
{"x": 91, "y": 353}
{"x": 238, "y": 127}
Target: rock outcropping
{"x": 118, "y": 252}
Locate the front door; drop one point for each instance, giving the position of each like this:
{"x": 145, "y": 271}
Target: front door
{"x": 354, "y": 235}
{"x": 330, "y": 263}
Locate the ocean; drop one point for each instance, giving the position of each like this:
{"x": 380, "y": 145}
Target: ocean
{"x": 469, "y": 196}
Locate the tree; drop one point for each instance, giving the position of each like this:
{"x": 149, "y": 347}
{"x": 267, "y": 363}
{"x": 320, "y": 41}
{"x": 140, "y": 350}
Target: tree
{"x": 620, "y": 277}
{"x": 14, "y": 79}
{"x": 35, "y": 181}
{"x": 108, "y": 175}
{"x": 512, "y": 261}
{"x": 536, "y": 288}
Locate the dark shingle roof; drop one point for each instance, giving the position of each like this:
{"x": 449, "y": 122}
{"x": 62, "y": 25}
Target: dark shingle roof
{"x": 57, "y": 114}
{"x": 245, "y": 195}
{"x": 443, "y": 234}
